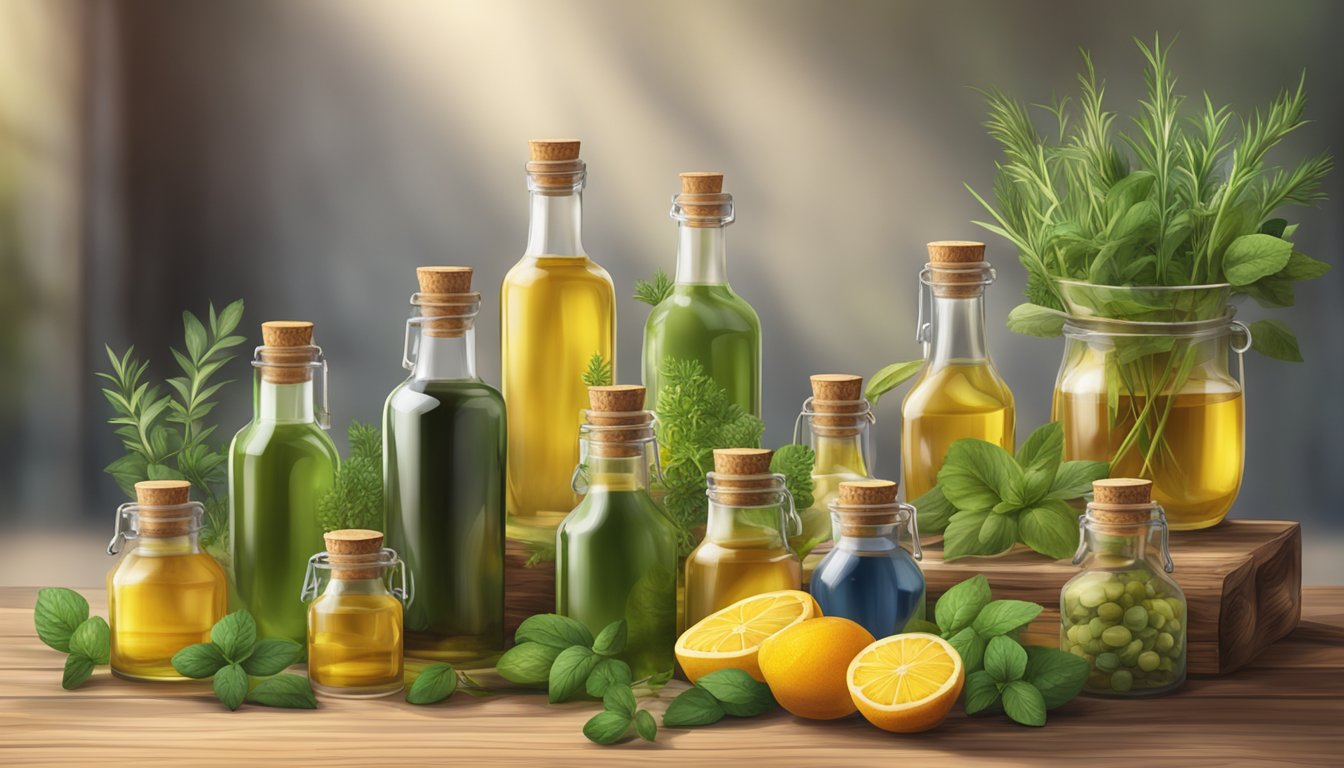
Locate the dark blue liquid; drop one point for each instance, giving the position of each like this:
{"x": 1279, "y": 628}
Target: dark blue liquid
{"x": 880, "y": 589}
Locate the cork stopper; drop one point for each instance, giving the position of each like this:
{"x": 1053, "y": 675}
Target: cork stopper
{"x": 619, "y": 405}
{"x": 837, "y": 393}
{"x": 160, "y": 512}
{"x": 957, "y": 268}
{"x": 742, "y": 477}
{"x": 555, "y": 164}
{"x": 446, "y": 292}
{"x": 868, "y": 493}
{"x": 357, "y": 551}
{"x": 702, "y": 200}
{"x": 1121, "y": 500}
{"x": 287, "y": 348}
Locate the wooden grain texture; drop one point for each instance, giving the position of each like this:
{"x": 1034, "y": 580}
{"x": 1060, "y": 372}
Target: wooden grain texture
{"x": 1242, "y": 580}
{"x": 1282, "y": 709}
{"x": 528, "y": 590}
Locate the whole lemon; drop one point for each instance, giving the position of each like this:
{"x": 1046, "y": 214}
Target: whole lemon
{"x": 806, "y": 666}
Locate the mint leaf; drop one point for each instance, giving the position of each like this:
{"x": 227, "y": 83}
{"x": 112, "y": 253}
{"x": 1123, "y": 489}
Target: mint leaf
{"x": 1050, "y": 529}
{"x": 976, "y": 474}
{"x": 1300, "y": 266}
{"x": 1023, "y": 703}
{"x": 78, "y": 668}
{"x": 287, "y": 691}
{"x": 434, "y": 684}
{"x": 1044, "y": 449}
{"x": 611, "y": 640}
{"x": 93, "y": 639}
{"x": 620, "y": 699}
{"x": 1005, "y": 660}
{"x": 959, "y": 606}
{"x": 997, "y": 533}
{"x": 981, "y": 692}
{"x": 58, "y": 613}
{"x": 695, "y": 706}
{"x": 934, "y": 511}
{"x": 553, "y": 630}
{"x": 527, "y": 663}
{"x": 1251, "y": 257}
{"x": 1058, "y": 675}
{"x": 235, "y": 635}
{"x": 962, "y": 537}
{"x": 1035, "y": 320}
{"x": 645, "y": 726}
{"x": 891, "y": 377}
{"x": 231, "y": 685}
{"x": 1075, "y": 479}
{"x": 1272, "y": 338}
{"x": 271, "y": 657}
{"x": 607, "y": 673}
{"x": 740, "y": 694}
{"x": 570, "y": 672}
{"x": 1003, "y": 616}
{"x": 971, "y": 648}
{"x": 606, "y": 727}
{"x": 199, "y": 661}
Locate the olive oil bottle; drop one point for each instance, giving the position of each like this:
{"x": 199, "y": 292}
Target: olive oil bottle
{"x": 836, "y": 421}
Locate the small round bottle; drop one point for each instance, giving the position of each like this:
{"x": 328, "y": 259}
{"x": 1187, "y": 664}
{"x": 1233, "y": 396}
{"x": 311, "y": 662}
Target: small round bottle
{"x": 837, "y": 423}
{"x": 165, "y": 593}
{"x": 355, "y": 620}
{"x": 868, "y": 577}
{"x": 1123, "y": 614}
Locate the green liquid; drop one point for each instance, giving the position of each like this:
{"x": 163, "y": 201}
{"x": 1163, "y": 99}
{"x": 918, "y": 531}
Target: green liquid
{"x": 444, "y": 459}
{"x": 277, "y": 472}
{"x": 616, "y": 559}
{"x": 715, "y": 326}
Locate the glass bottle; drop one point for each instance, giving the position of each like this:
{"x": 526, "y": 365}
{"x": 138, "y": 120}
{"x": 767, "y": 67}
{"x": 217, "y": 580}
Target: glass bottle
{"x": 746, "y": 550}
{"x": 280, "y": 466}
{"x": 165, "y": 593}
{"x": 444, "y": 454}
{"x": 703, "y": 319}
{"x": 836, "y": 421}
{"x": 1123, "y": 614}
{"x": 868, "y": 577}
{"x": 354, "y": 619}
{"x": 558, "y": 309}
{"x": 616, "y": 553}
{"x": 959, "y": 393}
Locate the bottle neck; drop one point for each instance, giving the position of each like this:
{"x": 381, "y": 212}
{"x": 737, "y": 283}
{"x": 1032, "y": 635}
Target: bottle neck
{"x": 285, "y": 403}
{"x": 445, "y": 358}
{"x": 842, "y": 454}
{"x": 702, "y": 255}
{"x": 618, "y": 473}
{"x": 958, "y": 330}
{"x": 1115, "y": 548}
{"x": 555, "y": 227}
{"x": 757, "y": 527}
{"x": 344, "y": 586}
{"x": 160, "y": 546}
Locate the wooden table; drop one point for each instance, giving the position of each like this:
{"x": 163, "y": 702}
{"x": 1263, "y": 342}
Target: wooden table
{"x": 1286, "y": 707}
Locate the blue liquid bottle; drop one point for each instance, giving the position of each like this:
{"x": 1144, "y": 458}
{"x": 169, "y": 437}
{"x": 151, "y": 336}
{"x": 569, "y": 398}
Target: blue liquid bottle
{"x": 868, "y": 577}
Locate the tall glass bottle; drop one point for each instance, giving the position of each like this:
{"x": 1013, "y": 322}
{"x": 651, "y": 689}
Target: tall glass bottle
{"x": 444, "y": 451}
{"x": 837, "y": 423}
{"x": 165, "y": 593}
{"x": 280, "y": 465}
{"x": 558, "y": 308}
{"x": 616, "y": 553}
{"x": 959, "y": 393}
{"x": 703, "y": 319}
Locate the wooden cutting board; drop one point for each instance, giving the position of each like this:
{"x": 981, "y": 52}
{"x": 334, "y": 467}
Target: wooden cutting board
{"x": 1242, "y": 582}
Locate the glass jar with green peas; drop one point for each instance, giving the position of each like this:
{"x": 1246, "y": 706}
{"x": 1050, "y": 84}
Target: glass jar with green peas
{"x": 1123, "y": 614}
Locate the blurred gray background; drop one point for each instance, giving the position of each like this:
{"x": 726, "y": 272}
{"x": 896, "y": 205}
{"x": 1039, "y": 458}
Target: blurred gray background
{"x": 307, "y": 156}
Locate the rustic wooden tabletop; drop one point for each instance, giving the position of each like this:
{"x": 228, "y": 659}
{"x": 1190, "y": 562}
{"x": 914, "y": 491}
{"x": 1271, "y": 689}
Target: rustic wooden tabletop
{"x": 1286, "y": 707}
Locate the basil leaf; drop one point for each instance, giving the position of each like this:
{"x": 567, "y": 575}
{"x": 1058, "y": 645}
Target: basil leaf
{"x": 1023, "y": 703}
{"x": 553, "y": 630}
{"x": 1075, "y": 479}
{"x": 607, "y": 673}
{"x": 920, "y": 625}
{"x": 976, "y": 474}
{"x": 1058, "y": 675}
{"x": 570, "y": 671}
{"x": 1003, "y": 616}
{"x": 1300, "y": 266}
{"x": 620, "y": 699}
{"x": 93, "y": 639}
{"x": 287, "y": 691}
{"x": 891, "y": 377}
{"x": 606, "y": 727}
{"x": 1005, "y": 660}
{"x": 1035, "y": 320}
{"x": 962, "y": 537}
{"x": 235, "y": 635}
{"x": 611, "y": 640}
{"x": 645, "y": 726}
{"x": 981, "y": 692}
{"x": 971, "y": 648}
{"x": 659, "y": 680}
{"x": 434, "y": 684}
{"x": 199, "y": 661}
{"x": 527, "y": 663}
{"x": 271, "y": 657}
{"x": 693, "y": 707}
{"x": 959, "y": 606}
{"x": 1050, "y": 529}
{"x": 740, "y": 694}
{"x": 78, "y": 668}
{"x": 231, "y": 685}
{"x": 1043, "y": 449}
{"x": 998, "y": 533}
{"x": 1272, "y": 338}
{"x": 1251, "y": 257}
{"x": 58, "y": 613}
{"x": 933, "y": 511}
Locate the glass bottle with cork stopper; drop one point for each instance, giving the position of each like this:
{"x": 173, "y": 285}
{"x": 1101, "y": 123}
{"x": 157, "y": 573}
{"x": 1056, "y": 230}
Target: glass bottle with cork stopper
{"x": 444, "y": 439}
{"x": 165, "y": 593}
{"x": 746, "y": 550}
{"x": 616, "y": 553}
{"x": 704, "y": 319}
{"x": 354, "y": 619}
{"x": 868, "y": 577}
{"x": 959, "y": 393}
{"x": 558, "y": 309}
{"x": 280, "y": 466}
{"x": 837, "y": 422}
{"x": 1123, "y": 614}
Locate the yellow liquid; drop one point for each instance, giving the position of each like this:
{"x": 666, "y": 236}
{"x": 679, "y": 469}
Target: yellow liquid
{"x": 1196, "y": 478}
{"x": 839, "y": 460}
{"x": 718, "y": 576}
{"x": 960, "y": 400}
{"x": 557, "y": 311}
{"x": 162, "y": 597}
{"x": 355, "y": 640}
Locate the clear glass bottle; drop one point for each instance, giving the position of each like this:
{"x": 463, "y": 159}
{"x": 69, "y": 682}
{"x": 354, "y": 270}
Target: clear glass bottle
{"x": 354, "y": 618}
{"x": 959, "y": 393}
{"x": 280, "y": 466}
{"x": 616, "y": 553}
{"x": 868, "y": 577}
{"x": 165, "y": 592}
{"x": 703, "y": 319}
{"x": 558, "y": 308}
{"x": 1123, "y": 614}
{"x": 837, "y": 422}
{"x": 444, "y": 439}
{"x": 746, "y": 550}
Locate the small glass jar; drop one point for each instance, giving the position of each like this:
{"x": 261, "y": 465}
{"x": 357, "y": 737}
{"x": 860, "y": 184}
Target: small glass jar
{"x": 837, "y": 423}
{"x": 1123, "y": 614}
{"x": 355, "y": 619}
{"x": 868, "y": 576}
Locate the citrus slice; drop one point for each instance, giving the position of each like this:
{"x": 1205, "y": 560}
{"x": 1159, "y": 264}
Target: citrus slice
{"x": 732, "y": 636}
{"x": 906, "y": 683}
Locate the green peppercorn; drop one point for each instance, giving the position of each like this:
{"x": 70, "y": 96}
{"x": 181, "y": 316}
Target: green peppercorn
{"x": 1116, "y": 636}
{"x": 1110, "y": 611}
{"x": 1136, "y": 618}
{"x": 1108, "y": 662}
{"x": 1148, "y": 661}
{"x": 1122, "y": 681}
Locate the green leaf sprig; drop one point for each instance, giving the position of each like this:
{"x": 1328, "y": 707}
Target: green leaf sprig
{"x": 355, "y": 499}
{"x": 234, "y": 654}
{"x": 63, "y": 623}
{"x": 724, "y": 692}
{"x": 437, "y": 682}
{"x": 987, "y": 499}
{"x": 891, "y": 377}
{"x": 653, "y": 292}
{"x": 598, "y": 373}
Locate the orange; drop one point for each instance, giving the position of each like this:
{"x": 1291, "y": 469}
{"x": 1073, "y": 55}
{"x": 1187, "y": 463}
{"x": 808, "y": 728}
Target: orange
{"x": 906, "y": 683}
{"x": 805, "y": 666}
{"x": 731, "y": 637}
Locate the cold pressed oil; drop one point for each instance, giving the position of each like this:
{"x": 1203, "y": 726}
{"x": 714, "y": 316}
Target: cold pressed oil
{"x": 838, "y": 426}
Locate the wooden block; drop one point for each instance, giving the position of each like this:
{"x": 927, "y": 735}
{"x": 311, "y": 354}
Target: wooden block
{"x": 1242, "y": 581}
{"x": 527, "y": 590}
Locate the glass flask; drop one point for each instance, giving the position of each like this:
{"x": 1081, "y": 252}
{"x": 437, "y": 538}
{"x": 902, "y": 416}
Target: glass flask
{"x": 837, "y": 422}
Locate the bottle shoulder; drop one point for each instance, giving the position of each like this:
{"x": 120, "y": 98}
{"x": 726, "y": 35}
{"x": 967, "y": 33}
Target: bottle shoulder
{"x": 412, "y": 394}
{"x": 715, "y": 306}
{"x": 306, "y": 437}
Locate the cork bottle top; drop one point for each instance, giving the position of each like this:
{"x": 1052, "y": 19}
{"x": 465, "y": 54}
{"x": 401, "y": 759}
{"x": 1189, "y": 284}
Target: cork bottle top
{"x": 614, "y": 406}
{"x": 161, "y": 512}
{"x": 702, "y": 200}
{"x": 866, "y": 493}
{"x": 1121, "y": 500}
{"x": 287, "y": 333}
{"x": 287, "y": 348}
{"x": 162, "y": 493}
{"x": 837, "y": 393}
{"x": 742, "y": 477}
{"x": 354, "y": 553}
{"x": 957, "y": 267}
{"x": 446, "y": 292}
{"x": 554, "y": 164}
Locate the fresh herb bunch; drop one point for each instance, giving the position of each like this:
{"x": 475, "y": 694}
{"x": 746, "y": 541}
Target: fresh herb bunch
{"x": 653, "y": 292}
{"x": 234, "y": 654}
{"x": 1078, "y": 206}
{"x": 63, "y": 623}
{"x": 165, "y": 434}
{"x": 355, "y": 499}
{"x": 730, "y": 692}
{"x": 987, "y": 499}
{"x": 598, "y": 373}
